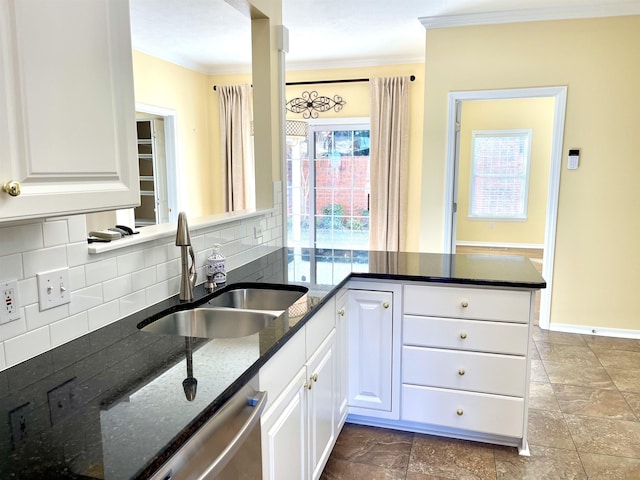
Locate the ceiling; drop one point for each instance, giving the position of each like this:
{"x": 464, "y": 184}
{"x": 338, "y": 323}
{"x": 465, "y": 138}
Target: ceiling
{"x": 211, "y": 36}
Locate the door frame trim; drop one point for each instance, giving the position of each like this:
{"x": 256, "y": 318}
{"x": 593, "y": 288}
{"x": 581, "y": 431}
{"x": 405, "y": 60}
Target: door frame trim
{"x": 174, "y": 192}
{"x": 559, "y": 93}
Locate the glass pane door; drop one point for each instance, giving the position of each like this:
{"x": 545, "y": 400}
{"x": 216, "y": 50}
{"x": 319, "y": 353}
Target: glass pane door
{"x": 327, "y": 198}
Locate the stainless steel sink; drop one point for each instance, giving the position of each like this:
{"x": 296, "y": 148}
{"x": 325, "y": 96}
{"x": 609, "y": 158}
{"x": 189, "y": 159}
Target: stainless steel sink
{"x": 257, "y": 298}
{"x": 211, "y": 323}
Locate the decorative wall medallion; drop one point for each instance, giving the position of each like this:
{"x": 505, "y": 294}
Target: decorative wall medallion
{"x": 310, "y": 103}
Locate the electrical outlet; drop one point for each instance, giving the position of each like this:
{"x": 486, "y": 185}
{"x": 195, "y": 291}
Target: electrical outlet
{"x": 10, "y": 306}
{"x": 19, "y": 424}
{"x": 257, "y": 231}
{"x": 53, "y": 288}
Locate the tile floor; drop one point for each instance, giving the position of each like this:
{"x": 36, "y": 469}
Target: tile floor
{"x": 584, "y": 423}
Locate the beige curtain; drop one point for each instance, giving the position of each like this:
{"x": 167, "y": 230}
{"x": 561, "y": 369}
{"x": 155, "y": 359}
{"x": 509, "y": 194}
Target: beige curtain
{"x": 389, "y": 162}
{"x": 237, "y": 146}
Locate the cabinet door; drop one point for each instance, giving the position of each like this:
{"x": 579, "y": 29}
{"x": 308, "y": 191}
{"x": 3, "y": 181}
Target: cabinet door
{"x": 320, "y": 371}
{"x": 370, "y": 350}
{"x": 284, "y": 433}
{"x": 67, "y": 107}
{"x": 342, "y": 362}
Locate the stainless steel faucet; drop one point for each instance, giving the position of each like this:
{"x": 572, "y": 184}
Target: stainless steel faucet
{"x": 188, "y": 275}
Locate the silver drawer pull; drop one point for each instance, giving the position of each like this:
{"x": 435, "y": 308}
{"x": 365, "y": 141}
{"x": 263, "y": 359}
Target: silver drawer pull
{"x": 464, "y": 303}
{"x": 460, "y": 412}
{"x": 461, "y": 371}
{"x": 463, "y": 335}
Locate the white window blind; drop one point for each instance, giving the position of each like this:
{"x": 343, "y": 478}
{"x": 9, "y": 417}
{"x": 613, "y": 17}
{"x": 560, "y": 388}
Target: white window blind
{"x": 500, "y": 174}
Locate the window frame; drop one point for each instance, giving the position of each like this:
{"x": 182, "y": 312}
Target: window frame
{"x": 519, "y": 132}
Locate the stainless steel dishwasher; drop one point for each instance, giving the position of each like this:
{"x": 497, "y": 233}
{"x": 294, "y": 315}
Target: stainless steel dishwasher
{"x": 227, "y": 447}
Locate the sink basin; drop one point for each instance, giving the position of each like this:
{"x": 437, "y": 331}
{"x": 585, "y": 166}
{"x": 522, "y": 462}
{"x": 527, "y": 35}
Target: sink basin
{"x": 259, "y": 298}
{"x": 211, "y": 323}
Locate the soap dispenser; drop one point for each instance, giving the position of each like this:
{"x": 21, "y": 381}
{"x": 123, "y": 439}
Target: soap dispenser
{"x": 216, "y": 270}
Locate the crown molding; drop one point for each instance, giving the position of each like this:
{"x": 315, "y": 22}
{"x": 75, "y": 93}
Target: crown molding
{"x": 530, "y": 15}
{"x": 354, "y": 63}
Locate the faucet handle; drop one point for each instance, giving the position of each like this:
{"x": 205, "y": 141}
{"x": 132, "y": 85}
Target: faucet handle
{"x": 192, "y": 269}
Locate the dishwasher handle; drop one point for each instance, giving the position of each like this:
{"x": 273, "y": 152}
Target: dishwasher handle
{"x": 222, "y": 435}
{"x": 258, "y": 402}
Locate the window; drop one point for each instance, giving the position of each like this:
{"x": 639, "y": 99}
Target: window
{"x": 500, "y": 174}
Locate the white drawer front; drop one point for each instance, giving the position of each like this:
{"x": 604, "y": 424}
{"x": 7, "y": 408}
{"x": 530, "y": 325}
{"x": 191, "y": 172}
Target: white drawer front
{"x": 478, "y": 372}
{"x": 459, "y": 302}
{"x": 476, "y": 412}
{"x": 477, "y": 335}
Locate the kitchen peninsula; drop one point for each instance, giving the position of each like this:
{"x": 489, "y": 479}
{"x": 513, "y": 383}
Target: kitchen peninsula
{"x": 110, "y": 404}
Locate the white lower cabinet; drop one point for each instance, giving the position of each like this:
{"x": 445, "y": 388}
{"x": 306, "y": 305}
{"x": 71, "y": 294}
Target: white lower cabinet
{"x": 299, "y": 428}
{"x": 321, "y": 387}
{"x": 371, "y": 353}
{"x": 342, "y": 358}
{"x": 284, "y": 433}
{"x": 466, "y": 361}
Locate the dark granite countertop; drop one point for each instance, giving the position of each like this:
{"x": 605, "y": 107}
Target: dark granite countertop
{"x": 111, "y": 404}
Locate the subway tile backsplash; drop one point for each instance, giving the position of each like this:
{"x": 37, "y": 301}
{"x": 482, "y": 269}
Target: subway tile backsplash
{"x": 111, "y": 285}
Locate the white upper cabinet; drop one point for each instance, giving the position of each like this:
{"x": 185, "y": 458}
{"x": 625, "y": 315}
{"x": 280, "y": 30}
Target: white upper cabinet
{"x": 67, "y": 108}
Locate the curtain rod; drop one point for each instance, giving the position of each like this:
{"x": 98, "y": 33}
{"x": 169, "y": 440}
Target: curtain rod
{"x": 320, "y": 82}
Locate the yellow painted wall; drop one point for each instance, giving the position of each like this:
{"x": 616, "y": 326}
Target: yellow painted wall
{"x": 532, "y": 113}
{"x": 357, "y": 99}
{"x": 597, "y": 262}
{"x": 167, "y": 85}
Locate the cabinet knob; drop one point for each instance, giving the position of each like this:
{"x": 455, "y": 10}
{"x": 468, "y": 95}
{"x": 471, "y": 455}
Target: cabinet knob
{"x": 461, "y": 371}
{"x": 460, "y": 412}
{"x": 341, "y": 312}
{"x": 308, "y": 385}
{"x": 12, "y": 188}
{"x": 464, "y": 303}
{"x": 385, "y": 304}
{"x": 314, "y": 377}
{"x": 463, "y": 335}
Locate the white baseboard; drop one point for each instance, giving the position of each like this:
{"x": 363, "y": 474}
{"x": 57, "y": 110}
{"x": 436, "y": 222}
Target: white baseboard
{"x": 600, "y": 331}
{"x": 500, "y": 245}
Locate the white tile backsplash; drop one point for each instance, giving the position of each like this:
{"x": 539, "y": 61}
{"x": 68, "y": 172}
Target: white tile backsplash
{"x": 143, "y": 278}
{"x": 38, "y": 261}
{"x": 99, "y": 272}
{"x": 167, "y": 270}
{"x": 108, "y": 286}
{"x": 21, "y": 238}
{"x": 77, "y": 279}
{"x": 13, "y": 329}
{"x": 103, "y": 315}
{"x": 37, "y": 319}
{"x": 85, "y": 298}
{"x": 56, "y": 232}
{"x": 69, "y": 328}
{"x": 77, "y": 228}
{"x": 130, "y": 262}
{"x": 21, "y": 348}
{"x": 28, "y": 291}
{"x": 10, "y": 267}
{"x": 117, "y": 288}
{"x": 132, "y": 303}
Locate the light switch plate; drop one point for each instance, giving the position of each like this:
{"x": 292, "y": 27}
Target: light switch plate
{"x": 53, "y": 288}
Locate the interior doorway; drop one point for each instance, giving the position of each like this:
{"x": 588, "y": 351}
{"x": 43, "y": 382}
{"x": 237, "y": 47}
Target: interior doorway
{"x": 452, "y": 211}
{"x": 156, "y": 132}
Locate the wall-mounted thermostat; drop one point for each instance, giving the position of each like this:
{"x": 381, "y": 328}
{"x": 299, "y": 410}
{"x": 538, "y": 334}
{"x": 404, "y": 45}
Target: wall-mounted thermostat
{"x": 574, "y": 159}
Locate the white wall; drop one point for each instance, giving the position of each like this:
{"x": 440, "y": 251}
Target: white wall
{"x": 111, "y": 285}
